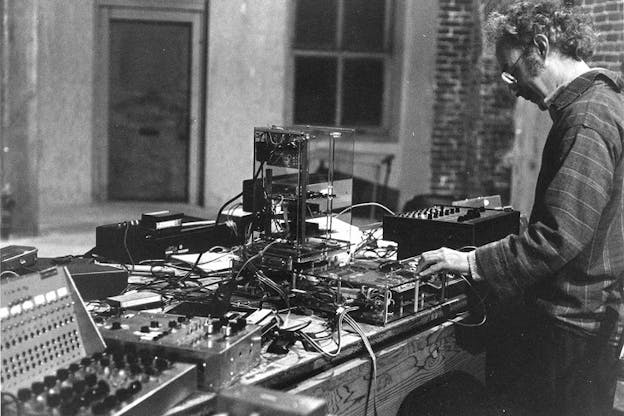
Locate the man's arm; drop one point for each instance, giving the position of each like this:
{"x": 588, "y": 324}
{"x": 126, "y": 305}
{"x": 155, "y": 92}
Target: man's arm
{"x": 570, "y": 210}
{"x": 568, "y": 215}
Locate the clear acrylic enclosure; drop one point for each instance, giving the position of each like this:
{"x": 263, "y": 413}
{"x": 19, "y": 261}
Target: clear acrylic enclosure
{"x": 303, "y": 178}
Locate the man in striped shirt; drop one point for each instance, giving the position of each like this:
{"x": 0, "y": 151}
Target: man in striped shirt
{"x": 570, "y": 259}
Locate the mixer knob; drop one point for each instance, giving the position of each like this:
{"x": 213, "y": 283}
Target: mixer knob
{"x": 173, "y": 324}
{"x": 212, "y": 325}
{"x": 79, "y": 386}
{"x": 49, "y": 381}
{"x": 92, "y": 395}
{"x": 66, "y": 394}
{"x": 122, "y": 394}
{"x": 226, "y": 330}
{"x": 135, "y": 387}
{"x": 104, "y": 361}
{"x": 82, "y": 401}
{"x": 24, "y": 394}
{"x": 90, "y": 379}
{"x": 103, "y": 387}
{"x": 161, "y": 364}
{"x": 62, "y": 374}
{"x": 241, "y": 323}
{"x": 110, "y": 402}
{"x": 53, "y": 400}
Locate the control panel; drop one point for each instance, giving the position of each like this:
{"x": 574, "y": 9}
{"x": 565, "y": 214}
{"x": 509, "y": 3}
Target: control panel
{"x": 223, "y": 348}
{"x": 448, "y": 226}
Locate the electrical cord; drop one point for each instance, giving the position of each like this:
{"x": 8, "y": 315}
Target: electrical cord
{"x": 481, "y": 302}
{"x": 229, "y": 201}
{"x": 372, "y": 387}
{"x": 255, "y": 256}
{"x": 341, "y": 312}
{"x": 475, "y": 292}
{"x": 125, "y": 244}
{"x": 365, "y": 204}
{"x": 270, "y": 283}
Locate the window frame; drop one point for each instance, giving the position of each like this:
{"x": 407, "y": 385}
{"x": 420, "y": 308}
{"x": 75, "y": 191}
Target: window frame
{"x": 385, "y": 55}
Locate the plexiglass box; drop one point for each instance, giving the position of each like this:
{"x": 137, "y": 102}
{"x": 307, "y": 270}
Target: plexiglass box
{"x": 302, "y": 179}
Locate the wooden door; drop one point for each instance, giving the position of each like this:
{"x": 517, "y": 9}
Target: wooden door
{"x": 150, "y": 68}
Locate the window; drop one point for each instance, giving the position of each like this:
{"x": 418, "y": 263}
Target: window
{"x": 341, "y": 63}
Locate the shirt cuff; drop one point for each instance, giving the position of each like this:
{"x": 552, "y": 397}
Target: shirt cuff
{"x": 473, "y": 268}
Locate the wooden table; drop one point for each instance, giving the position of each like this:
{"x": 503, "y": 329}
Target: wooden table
{"x": 410, "y": 352}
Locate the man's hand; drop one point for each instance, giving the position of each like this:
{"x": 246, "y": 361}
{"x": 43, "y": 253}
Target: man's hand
{"x": 443, "y": 260}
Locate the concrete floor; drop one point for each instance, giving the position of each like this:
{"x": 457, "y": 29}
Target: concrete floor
{"x": 70, "y": 230}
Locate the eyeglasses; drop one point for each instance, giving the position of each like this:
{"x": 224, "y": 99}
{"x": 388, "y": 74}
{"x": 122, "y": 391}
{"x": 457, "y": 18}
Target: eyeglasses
{"x": 507, "y": 76}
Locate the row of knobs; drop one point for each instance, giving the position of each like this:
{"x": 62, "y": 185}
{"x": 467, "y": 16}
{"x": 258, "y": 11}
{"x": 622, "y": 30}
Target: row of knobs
{"x": 431, "y": 213}
{"x": 210, "y": 326}
{"x": 87, "y": 388}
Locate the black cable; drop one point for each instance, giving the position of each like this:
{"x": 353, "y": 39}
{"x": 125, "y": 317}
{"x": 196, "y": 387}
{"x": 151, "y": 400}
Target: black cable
{"x": 229, "y": 201}
{"x": 125, "y": 243}
{"x": 255, "y": 177}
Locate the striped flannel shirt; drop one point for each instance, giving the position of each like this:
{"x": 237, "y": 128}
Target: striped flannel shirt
{"x": 571, "y": 256}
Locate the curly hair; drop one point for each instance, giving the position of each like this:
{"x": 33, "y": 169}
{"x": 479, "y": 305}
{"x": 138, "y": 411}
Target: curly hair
{"x": 567, "y": 28}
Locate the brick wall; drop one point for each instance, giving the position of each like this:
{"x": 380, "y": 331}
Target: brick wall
{"x": 454, "y": 96}
{"x": 609, "y": 20}
{"x": 473, "y": 121}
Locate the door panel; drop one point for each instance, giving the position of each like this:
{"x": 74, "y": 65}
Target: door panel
{"x": 149, "y": 97}
{"x": 149, "y": 77}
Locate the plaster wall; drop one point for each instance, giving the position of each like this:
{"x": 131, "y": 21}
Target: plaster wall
{"x": 418, "y": 45}
{"x": 248, "y": 84}
{"x": 20, "y": 145}
{"x": 247, "y": 52}
{"x": 65, "y": 104}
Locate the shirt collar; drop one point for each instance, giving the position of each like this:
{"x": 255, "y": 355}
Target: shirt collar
{"x": 548, "y": 100}
{"x": 565, "y": 94}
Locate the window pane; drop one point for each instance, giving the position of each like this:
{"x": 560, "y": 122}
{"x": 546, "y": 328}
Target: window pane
{"x": 362, "y": 92}
{"x": 315, "y": 24}
{"x": 315, "y": 86}
{"x": 363, "y": 25}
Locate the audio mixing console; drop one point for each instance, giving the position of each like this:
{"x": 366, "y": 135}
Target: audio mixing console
{"x": 54, "y": 361}
{"x": 448, "y": 226}
{"x": 223, "y": 348}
